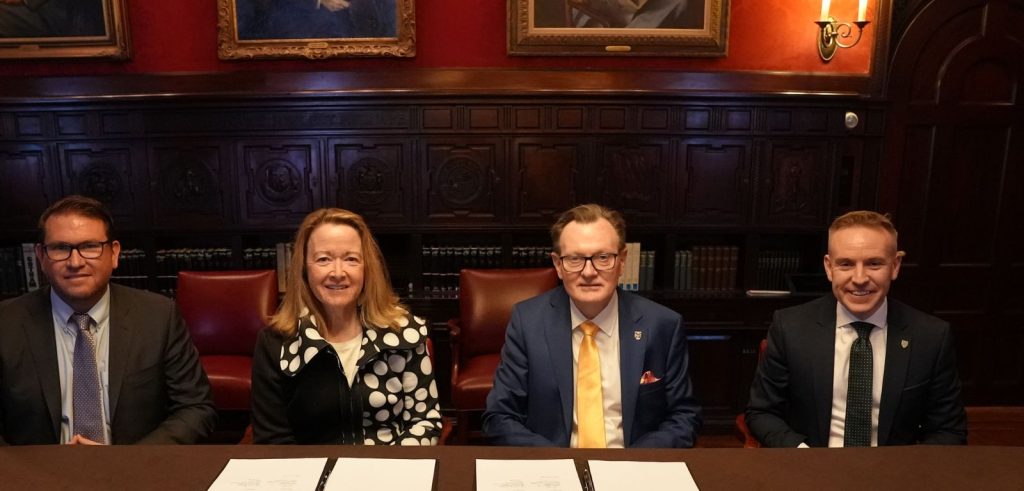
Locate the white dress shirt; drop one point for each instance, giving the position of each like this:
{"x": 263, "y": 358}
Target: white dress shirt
{"x": 607, "y": 338}
{"x": 66, "y": 332}
{"x": 845, "y": 336}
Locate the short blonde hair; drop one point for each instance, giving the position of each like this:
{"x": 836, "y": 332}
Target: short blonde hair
{"x": 588, "y": 213}
{"x": 865, "y": 218}
{"x": 378, "y": 304}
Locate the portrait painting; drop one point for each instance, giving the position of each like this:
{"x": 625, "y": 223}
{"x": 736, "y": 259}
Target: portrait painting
{"x": 315, "y": 29}
{"x": 32, "y": 29}
{"x": 618, "y": 27}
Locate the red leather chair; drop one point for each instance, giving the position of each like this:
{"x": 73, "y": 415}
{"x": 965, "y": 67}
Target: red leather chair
{"x": 224, "y": 311}
{"x": 485, "y": 306}
{"x": 742, "y": 431}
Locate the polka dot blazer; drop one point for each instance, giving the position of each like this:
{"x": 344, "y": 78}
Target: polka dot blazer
{"x": 300, "y": 393}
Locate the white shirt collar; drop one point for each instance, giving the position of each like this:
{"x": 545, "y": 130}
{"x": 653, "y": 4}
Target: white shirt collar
{"x": 99, "y": 312}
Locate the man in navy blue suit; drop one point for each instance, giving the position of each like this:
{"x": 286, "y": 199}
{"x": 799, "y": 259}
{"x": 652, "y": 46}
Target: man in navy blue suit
{"x": 645, "y": 398}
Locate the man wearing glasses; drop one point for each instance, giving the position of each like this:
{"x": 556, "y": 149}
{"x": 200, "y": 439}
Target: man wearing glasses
{"x": 85, "y": 361}
{"x": 586, "y": 365}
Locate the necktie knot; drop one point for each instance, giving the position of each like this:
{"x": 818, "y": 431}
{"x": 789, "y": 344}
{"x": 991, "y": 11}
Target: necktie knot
{"x": 81, "y": 320}
{"x": 589, "y": 328}
{"x": 863, "y": 328}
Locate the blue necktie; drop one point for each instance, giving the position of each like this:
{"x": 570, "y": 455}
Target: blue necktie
{"x": 858, "y": 395}
{"x": 87, "y": 405}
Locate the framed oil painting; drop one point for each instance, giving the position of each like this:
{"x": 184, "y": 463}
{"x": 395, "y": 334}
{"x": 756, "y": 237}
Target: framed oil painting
{"x": 35, "y": 29}
{"x": 618, "y": 27}
{"x": 315, "y": 29}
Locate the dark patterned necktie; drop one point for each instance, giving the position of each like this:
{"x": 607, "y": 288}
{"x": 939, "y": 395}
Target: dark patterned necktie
{"x": 87, "y": 405}
{"x": 858, "y": 395}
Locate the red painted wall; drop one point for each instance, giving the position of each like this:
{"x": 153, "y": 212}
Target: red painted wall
{"x": 181, "y": 36}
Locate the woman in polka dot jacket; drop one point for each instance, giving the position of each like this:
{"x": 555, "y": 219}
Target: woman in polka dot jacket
{"x": 342, "y": 361}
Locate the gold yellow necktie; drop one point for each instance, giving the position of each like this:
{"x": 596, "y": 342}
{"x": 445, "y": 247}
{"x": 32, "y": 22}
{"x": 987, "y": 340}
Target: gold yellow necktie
{"x": 589, "y": 399}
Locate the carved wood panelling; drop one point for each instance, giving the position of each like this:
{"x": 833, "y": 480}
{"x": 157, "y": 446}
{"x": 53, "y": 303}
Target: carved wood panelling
{"x": 714, "y": 179}
{"x": 107, "y": 171}
{"x": 697, "y": 118}
{"x": 464, "y": 182}
{"x": 612, "y": 118}
{"x": 26, "y": 184}
{"x": 794, "y": 184}
{"x": 655, "y": 118}
{"x": 28, "y": 125}
{"x": 280, "y": 181}
{"x": 372, "y": 177}
{"x": 438, "y": 118}
{"x": 569, "y": 118}
{"x": 484, "y": 118}
{"x": 527, "y": 118}
{"x": 546, "y": 179}
{"x": 300, "y": 118}
{"x": 72, "y": 124}
{"x": 635, "y": 178}
{"x": 191, "y": 184}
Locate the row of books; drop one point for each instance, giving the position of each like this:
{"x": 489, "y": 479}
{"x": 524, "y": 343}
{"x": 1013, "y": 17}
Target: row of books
{"x": 706, "y": 268}
{"x": 773, "y": 267}
{"x": 531, "y": 257}
{"x": 170, "y": 261}
{"x": 441, "y": 266}
{"x": 638, "y": 271}
{"x": 19, "y": 272}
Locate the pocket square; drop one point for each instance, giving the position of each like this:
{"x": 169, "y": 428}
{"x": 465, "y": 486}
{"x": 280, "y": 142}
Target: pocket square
{"x": 648, "y": 378}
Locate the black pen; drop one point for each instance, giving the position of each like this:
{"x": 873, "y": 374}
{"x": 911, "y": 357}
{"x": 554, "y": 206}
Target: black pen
{"x": 588, "y": 482}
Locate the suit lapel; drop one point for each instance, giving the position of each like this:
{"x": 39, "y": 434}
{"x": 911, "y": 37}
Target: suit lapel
{"x": 559, "y": 342}
{"x": 823, "y": 347}
{"x": 897, "y": 359}
{"x": 120, "y": 344}
{"x": 631, "y": 361}
{"x": 42, "y": 342}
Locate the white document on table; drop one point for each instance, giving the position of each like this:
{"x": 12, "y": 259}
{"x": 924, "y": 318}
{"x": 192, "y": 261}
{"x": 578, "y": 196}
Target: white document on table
{"x": 404, "y": 474}
{"x": 631, "y": 476}
{"x": 524, "y": 475}
{"x": 270, "y": 475}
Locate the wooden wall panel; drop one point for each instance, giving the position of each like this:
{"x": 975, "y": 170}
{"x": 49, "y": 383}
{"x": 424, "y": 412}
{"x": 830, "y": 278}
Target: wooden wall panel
{"x": 795, "y": 187}
{"x": 372, "y": 177}
{"x": 192, "y": 186}
{"x": 463, "y": 183}
{"x": 714, "y": 181}
{"x": 26, "y": 184}
{"x": 110, "y": 172}
{"x": 636, "y": 179}
{"x": 280, "y": 181}
{"x": 546, "y": 179}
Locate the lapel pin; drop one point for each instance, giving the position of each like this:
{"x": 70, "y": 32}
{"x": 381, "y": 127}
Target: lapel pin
{"x": 904, "y": 343}
{"x": 637, "y": 335}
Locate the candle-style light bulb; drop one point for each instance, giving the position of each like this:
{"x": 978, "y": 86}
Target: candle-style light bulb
{"x": 825, "y": 4}
{"x": 862, "y": 11}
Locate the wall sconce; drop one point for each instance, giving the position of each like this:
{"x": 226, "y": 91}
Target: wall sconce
{"x": 832, "y": 32}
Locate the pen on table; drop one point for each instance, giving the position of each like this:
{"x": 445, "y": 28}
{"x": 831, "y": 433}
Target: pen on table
{"x": 588, "y": 482}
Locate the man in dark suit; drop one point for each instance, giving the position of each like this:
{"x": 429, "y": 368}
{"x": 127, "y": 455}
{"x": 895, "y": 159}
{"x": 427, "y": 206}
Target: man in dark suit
{"x": 587, "y": 365}
{"x": 857, "y": 368}
{"x": 84, "y": 361}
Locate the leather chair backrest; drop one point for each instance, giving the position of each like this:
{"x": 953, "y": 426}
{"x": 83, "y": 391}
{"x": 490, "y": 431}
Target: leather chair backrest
{"x": 225, "y": 310}
{"x": 486, "y": 297}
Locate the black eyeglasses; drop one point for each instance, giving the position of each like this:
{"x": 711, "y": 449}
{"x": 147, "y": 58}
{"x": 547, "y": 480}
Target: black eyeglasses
{"x": 602, "y": 262}
{"x": 88, "y": 250}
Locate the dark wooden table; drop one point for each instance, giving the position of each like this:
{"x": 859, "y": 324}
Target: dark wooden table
{"x": 196, "y": 467}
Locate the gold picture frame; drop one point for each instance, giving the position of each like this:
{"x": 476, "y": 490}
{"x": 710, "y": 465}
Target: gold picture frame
{"x": 41, "y": 29}
{"x": 315, "y": 29}
{"x": 616, "y": 28}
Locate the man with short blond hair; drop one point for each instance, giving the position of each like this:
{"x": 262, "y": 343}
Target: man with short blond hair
{"x": 857, "y": 368}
